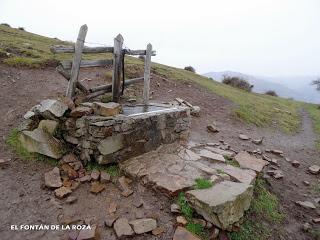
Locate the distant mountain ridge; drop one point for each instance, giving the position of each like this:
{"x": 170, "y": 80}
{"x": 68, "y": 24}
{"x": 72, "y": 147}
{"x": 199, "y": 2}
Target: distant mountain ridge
{"x": 300, "y": 90}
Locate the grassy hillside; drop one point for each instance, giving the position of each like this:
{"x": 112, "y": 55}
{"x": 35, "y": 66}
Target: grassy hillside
{"x": 31, "y": 50}
{"x": 314, "y": 112}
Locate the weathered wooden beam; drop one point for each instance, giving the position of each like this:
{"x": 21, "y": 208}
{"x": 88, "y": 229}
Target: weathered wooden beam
{"x": 67, "y": 64}
{"x": 109, "y": 86}
{"x": 86, "y": 50}
{"x": 138, "y": 52}
{"x": 147, "y": 67}
{"x": 76, "y": 61}
{"x": 67, "y": 75}
{"x": 117, "y": 66}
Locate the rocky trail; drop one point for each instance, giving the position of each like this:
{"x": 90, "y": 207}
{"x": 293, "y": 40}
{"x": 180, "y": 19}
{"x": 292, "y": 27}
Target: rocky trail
{"x": 25, "y": 200}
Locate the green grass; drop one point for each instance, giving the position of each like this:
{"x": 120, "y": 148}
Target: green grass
{"x": 185, "y": 208}
{"x": 32, "y": 50}
{"x": 202, "y": 183}
{"x": 13, "y": 142}
{"x": 198, "y": 230}
{"x": 231, "y": 161}
{"x": 112, "y": 170}
{"x": 264, "y": 210}
{"x": 314, "y": 112}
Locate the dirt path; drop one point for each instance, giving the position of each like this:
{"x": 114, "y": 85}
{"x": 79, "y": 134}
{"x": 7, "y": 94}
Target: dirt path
{"x": 24, "y": 201}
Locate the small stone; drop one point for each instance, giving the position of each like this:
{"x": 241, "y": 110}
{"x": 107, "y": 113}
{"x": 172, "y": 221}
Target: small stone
{"x": 69, "y": 158}
{"x": 4, "y": 163}
{"x": 215, "y": 233}
{"x": 137, "y": 202}
{"x": 243, "y": 137}
{"x": 159, "y": 230}
{"x": 314, "y": 169}
{"x": 306, "y": 204}
{"x": 89, "y": 234}
{"x": 246, "y": 160}
{"x": 182, "y": 220}
{"x": 29, "y": 115}
{"x": 306, "y": 183}
{"x": 143, "y": 225}
{"x": 112, "y": 208}
{"x": 126, "y": 191}
{"x": 200, "y": 221}
{"x": 122, "y": 228}
{"x": 95, "y": 174}
{"x": 183, "y": 234}
{"x": 97, "y": 187}
{"x": 71, "y": 199}
{"x": 49, "y": 126}
{"x": 195, "y": 111}
{"x": 306, "y": 227}
{"x": 110, "y": 219}
{"x": 72, "y": 174}
{"x": 74, "y": 185}
{"x": 295, "y": 163}
{"x": 104, "y": 177}
{"x": 106, "y": 109}
{"x": 52, "y": 179}
{"x": 70, "y": 139}
{"x": 52, "y": 107}
{"x": 174, "y": 208}
{"x": 278, "y": 174}
{"x": 81, "y": 111}
{"x": 85, "y": 178}
{"x": 288, "y": 159}
{"x": 212, "y": 128}
{"x": 277, "y": 152}
{"x": 62, "y": 192}
{"x": 257, "y": 141}
{"x": 316, "y": 220}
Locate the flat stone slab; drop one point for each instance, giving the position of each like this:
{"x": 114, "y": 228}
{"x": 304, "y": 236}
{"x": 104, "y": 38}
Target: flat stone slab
{"x": 223, "y": 204}
{"x": 143, "y": 225}
{"x": 246, "y": 160}
{"x": 236, "y": 173}
{"x": 52, "y": 178}
{"x": 41, "y": 142}
{"x": 220, "y": 151}
{"x": 122, "y": 228}
{"x": 106, "y": 109}
{"x": 212, "y": 156}
{"x": 183, "y": 234}
{"x": 166, "y": 171}
{"x": 52, "y": 107}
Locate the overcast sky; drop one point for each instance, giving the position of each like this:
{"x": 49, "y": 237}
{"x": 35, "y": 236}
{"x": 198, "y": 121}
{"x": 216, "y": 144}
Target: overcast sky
{"x": 260, "y": 37}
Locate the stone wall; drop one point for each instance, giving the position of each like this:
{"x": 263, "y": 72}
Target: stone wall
{"x": 111, "y": 139}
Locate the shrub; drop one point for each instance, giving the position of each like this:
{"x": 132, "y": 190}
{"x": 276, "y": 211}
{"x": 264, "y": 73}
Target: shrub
{"x": 271, "y": 93}
{"x": 21, "y": 28}
{"x": 237, "y": 82}
{"x": 190, "y": 69}
{"x": 5, "y": 24}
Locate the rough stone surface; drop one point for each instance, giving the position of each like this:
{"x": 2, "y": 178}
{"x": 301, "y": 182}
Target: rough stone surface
{"x": 295, "y": 163}
{"x": 81, "y": 111}
{"x": 143, "y": 225}
{"x": 104, "y": 177}
{"x": 182, "y": 220}
{"x": 212, "y": 128}
{"x": 52, "y": 178}
{"x": 52, "y": 107}
{"x": 183, "y": 234}
{"x": 243, "y": 137}
{"x": 89, "y": 234}
{"x": 246, "y": 160}
{"x": 223, "y": 204}
{"x": 41, "y": 142}
{"x": 97, "y": 187}
{"x": 48, "y": 126}
{"x": 220, "y": 151}
{"x": 122, "y": 228}
{"x": 314, "y": 169}
{"x": 106, "y": 109}
{"x": 111, "y": 144}
{"x": 212, "y": 156}
{"x": 306, "y": 204}
{"x": 62, "y": 192}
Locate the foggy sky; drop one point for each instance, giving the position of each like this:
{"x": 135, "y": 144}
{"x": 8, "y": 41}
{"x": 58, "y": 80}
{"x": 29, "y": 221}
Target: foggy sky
{"x": 261, "y": 37}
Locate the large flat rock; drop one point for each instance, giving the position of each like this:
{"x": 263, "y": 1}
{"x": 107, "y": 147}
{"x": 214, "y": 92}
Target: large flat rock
{"x": 246, "y": 160}
{"x": 223, "y": 204}
{"x": 39, "y": 141}
{"x": 106, "y": 109}
{"x": 52, "y": 108}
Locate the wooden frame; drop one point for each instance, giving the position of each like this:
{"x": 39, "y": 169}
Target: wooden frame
{"x": 118, "y": 58}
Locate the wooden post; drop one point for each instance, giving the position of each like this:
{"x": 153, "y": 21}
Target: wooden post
{"x": 117, "y": 66}
{"x": 76, "y": 61}
{"x": 147, "y": 67}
